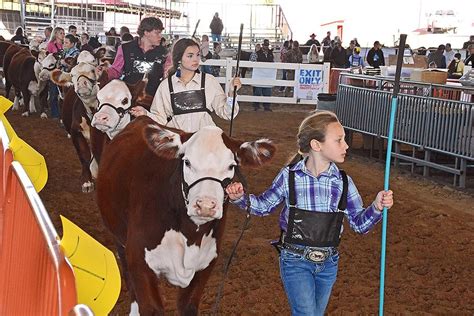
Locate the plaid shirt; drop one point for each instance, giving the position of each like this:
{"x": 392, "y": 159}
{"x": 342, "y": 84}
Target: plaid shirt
{"x": 320, "y": 194}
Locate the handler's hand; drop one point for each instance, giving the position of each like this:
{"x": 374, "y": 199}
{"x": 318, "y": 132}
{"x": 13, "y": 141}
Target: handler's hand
{"x": 235, "y": 83}
{"x": 138, "y": 111}
{"x": 384, "y": 199}
{"x": 235, "y": 190}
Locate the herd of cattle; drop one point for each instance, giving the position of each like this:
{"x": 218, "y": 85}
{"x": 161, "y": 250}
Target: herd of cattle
{"x": 160, "y": 191}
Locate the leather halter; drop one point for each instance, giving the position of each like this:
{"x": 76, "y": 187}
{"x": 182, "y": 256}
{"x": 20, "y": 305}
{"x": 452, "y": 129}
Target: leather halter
{"x": 120, "y": 111}
{"x": 185, "y": 187}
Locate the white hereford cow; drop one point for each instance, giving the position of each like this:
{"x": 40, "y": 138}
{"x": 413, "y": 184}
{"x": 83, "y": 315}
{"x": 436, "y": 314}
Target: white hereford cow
{"x": 161, "y": 194}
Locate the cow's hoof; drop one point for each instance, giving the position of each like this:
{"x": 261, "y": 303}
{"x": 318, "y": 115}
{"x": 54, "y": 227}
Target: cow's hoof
{"x": 25, "y": 114}
{"x": 87, "y": 187}
{"x": 44, "y": 115}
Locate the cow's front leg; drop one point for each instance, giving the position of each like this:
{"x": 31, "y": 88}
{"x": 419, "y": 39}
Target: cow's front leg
{"x": 84, "y": 153}
{"x": 190, "y": 297}
{"x": 143, "y": 281}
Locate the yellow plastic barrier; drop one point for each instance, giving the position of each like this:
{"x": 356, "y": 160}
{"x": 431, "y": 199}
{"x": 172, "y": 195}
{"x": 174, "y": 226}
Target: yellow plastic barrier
{"x": 32, "y": 161}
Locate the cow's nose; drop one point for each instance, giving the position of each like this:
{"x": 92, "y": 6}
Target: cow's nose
{"x": 206, "y": 206}
{"x": 101, "y": 118}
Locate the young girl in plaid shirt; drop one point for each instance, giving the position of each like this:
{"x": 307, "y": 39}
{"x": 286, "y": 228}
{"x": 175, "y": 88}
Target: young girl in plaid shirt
{"x": 316, "y": 195}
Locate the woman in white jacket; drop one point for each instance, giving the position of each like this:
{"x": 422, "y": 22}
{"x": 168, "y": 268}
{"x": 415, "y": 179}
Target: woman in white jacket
{"x": 313, "y": 54}
{"x": 187, "y": 97}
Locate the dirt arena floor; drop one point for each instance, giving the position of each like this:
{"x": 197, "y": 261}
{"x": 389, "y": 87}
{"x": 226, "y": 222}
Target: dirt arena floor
{"x": 430, "y": 243}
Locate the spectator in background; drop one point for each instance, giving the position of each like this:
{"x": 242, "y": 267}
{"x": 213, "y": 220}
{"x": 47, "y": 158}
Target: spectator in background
{"x": 85, "y": 43}
{"x": 469, "y": 61}
{"x": 205, "y": 54}
{"x": 70, "y": 51}
{"x": 215, "y": 70}
{"x": 375, "y": 57}
{"x": 283, "y": 51}
{"x": 253, "y": 55}
{"x": 124, "y": 30}
{"x": 356, "y": 62}
{"x": 111, "y": 32}
{"x": 328, "y": 51}
{"x": 436, "y": 59}
{"x": 338, "y": 55}
{"x": 350, "y": 51}
{"x": 19, "y": 37}
{"x": 263, "y": 55}
{"x": 356, "y": 42}
{"x": 467, "y": 44}
{"x": 313, "y": 54}
{"x": 72, "y": 29}
{"x": 456, "y": 67}
{"x": 326, "y": 41}
{"x": 55, "y": 45}
{"x": 216, "y": 27}
{"x": 312, "y": 40}
{"x": 293, "y": 56}
{"x": 47, "y": 33}
{"x": 449, "y": 54}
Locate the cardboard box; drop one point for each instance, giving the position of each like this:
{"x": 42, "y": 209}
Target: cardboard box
{"x": 417, "y": 62}
{"x": 434, "y": 76}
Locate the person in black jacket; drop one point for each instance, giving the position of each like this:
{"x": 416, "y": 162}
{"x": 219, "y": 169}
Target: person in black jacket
{"x": 143, "y": 55}
{"x": 19, "y": 37}
{"x": 216, "y": 27}
{"x": 375, "y": 56}
{"x": 338, "y": 56}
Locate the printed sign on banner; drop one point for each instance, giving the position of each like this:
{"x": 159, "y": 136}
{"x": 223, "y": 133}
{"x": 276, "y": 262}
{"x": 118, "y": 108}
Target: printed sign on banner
{"x": 310, "y": 83}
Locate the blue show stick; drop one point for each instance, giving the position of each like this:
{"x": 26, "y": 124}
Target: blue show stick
{"x": 393, "y": 112}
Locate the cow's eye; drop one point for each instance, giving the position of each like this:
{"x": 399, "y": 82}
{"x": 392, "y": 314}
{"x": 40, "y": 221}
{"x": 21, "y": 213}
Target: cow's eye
{"x": 231, "y": 167}
{"x": 187, "y": 163}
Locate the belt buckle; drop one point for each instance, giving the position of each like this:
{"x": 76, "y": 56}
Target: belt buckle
{"x": 316, "y": 256}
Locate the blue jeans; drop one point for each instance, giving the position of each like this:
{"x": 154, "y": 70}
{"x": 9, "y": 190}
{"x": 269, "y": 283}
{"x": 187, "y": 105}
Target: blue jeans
{"x": 307, "y": 284}
{"x": 261, "y": 91}
{"x": 53, "y": 100}
{"x": 216, "y": 37}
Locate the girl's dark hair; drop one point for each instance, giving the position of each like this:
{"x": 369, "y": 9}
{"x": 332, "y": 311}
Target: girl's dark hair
{"x": 71, "y": 38}
{"x": 19, "y": 31}
{"x": 178, "y": 52}
{"x": 149, "y": 24}
{"x": 313, "y": 127}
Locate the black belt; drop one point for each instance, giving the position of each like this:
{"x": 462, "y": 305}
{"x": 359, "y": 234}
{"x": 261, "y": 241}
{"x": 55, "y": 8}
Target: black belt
{"x": 313, "y": 254}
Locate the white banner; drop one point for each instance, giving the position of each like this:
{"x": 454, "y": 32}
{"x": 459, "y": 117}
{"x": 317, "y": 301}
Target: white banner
{"x": 310, "y": 82}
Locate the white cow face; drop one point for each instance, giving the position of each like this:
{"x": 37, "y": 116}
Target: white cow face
{"x": 207, "y": 154}
{"x": 84, "y": 79}
{"x": 114, "y": 103}
{"x": 48, "y": 64}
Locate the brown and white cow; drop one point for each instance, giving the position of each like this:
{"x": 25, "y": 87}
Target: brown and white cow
{"x": 79, "y": 104}
{"x": 161, "y": 194}
{"x": 115, "y": 101}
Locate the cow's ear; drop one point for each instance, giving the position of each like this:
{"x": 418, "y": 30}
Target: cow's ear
{"x": 162, "y": 142}
{"x": 138, "y": 91}
{"x": 251, "y": 154}
{"x": 60, "y": 78}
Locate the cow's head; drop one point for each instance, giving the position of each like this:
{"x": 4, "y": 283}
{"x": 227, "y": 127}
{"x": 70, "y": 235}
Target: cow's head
{"x": 208, "y": 162}
{"x": 48, "y": 64}
{"x": 115, "y": 102}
